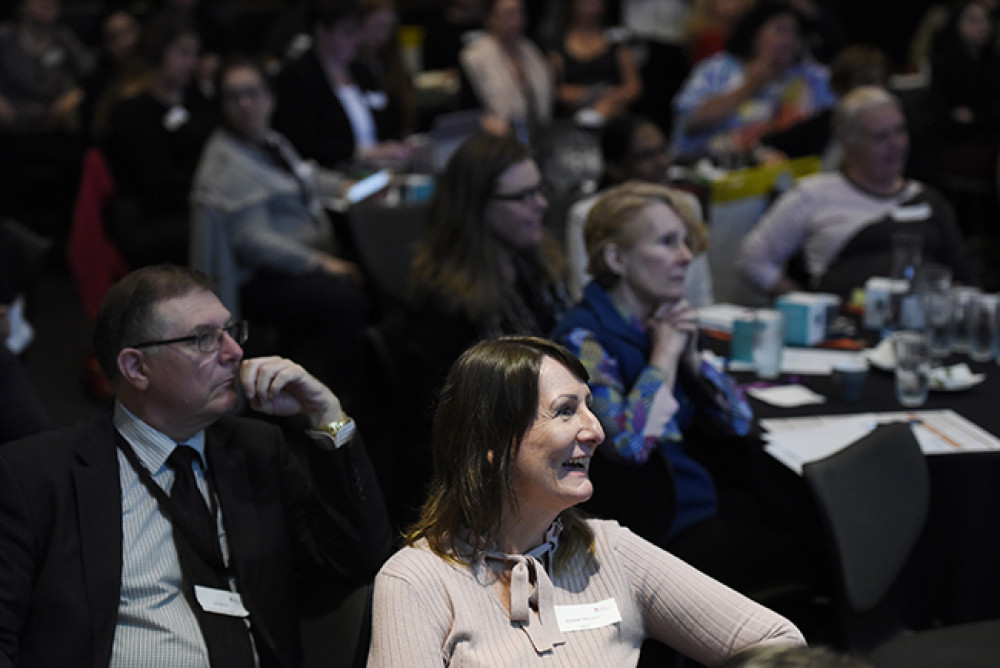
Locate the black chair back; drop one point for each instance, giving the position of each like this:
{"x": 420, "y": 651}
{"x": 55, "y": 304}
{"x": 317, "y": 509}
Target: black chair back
{"x": 873, "y": 497}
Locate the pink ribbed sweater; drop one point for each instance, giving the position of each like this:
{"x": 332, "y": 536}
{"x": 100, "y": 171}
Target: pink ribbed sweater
{"x": 429, "y": 612}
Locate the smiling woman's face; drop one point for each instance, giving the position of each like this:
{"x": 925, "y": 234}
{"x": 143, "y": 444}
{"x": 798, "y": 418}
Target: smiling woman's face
{"x": 550, "y": 467}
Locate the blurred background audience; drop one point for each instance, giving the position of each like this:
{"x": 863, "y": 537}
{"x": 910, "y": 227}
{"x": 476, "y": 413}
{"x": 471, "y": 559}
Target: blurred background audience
{"x": 506, "y": 74}
{"x": 152, "y": 141}
{"x": 332, "y": 111}
{"x": 843, "y": 222}
{"x": 381, "y": 58}
{"x": 710, "y": 23}
{"x": 596, "y": 78}
{"x": 764, "y": 81}
{"x": 261, "y": 231}
{"x": 42, "y": 68}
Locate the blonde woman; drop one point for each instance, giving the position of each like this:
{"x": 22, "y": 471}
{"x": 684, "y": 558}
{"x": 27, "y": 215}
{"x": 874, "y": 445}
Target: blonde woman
{"x": 636, "y": 335}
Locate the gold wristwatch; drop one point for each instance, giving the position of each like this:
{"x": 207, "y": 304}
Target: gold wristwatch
{"x": 339, "y": 432}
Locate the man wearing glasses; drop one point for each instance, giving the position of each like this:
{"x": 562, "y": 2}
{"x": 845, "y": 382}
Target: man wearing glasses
{"x": 172, "y": 533}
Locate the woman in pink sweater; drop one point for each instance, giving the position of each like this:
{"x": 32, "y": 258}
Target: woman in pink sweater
{"x": 501, "y": 571}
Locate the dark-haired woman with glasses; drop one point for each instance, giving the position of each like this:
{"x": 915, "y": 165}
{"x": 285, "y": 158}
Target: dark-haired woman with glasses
{"x": 485, "y": 259}
{"x": 484, "y": 267}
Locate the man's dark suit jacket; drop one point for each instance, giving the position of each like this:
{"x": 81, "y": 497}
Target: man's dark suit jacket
{"x": 61, "y": 535}
{"x": 309, "y": 113}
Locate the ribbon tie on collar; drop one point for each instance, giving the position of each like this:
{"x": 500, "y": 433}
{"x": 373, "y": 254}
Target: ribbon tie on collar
{"x": 530, "y": 587}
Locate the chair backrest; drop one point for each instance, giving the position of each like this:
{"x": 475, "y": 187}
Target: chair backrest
{"x": 873, "y": 497}
{"x": 385, "y": 238}
{"x": 93, "y": 258}
{"x": 447, "y": 133}
{"x": 209, "y": 251}
{"x": 339, "y": 637}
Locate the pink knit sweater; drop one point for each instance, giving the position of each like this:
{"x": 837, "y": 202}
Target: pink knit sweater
{"x": 429, "y": 612}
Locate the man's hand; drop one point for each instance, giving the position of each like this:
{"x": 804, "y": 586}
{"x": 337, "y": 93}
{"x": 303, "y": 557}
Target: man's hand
{"x": 278, "y": 386}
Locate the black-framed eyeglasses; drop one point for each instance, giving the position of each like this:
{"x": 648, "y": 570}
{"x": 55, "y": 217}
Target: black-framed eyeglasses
{"x": 523, "y": 196}
{"x": 206, "y": 339}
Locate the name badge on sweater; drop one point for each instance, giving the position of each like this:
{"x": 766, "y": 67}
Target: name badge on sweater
{"x": 175, "y": 117}
{"x": 53, "y": 57}
{"x": 587, "y": 616}
{"x": 912, "y": 212}
{"x": 377, "y": 99}
{"x": 220, "y": 601}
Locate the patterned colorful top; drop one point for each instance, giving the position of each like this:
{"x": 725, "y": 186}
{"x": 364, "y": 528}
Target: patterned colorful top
{"x": 639, "y": 412}
{"x": 648, "y": 412}
{"x": 803, "y": 91}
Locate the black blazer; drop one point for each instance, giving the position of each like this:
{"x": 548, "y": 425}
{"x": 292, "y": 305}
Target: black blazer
{"x": 309, "y": 113}
{"x": 61, "y": 535}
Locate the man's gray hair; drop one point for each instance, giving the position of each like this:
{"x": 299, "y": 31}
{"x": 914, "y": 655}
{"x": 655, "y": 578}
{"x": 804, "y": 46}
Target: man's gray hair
{"x": 850, "y": 107}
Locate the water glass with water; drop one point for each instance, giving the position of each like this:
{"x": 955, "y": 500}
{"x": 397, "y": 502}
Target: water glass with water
{"x": 907, "y": 254}
{"x": 913, "y": 367}
{"x": 982, "y": 326}
{"x": 934, "y": 288}
{"x": 938, "y": 323}
{"x": 962, "y": 295}
{"x": 768, "y": 341}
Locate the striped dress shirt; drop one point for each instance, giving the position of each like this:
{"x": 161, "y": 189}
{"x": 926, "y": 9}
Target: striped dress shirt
{"x": 156, "y": 624}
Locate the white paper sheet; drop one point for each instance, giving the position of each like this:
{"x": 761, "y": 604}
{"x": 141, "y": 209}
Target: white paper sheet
{"x": 786, "y": 396}
{"x": 797, "y": 441}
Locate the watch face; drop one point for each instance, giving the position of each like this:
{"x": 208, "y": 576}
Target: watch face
{"x": 344, "y": 433}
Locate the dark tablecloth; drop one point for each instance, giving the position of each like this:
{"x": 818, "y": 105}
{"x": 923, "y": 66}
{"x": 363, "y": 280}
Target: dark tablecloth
{"x": 954, "y": 575}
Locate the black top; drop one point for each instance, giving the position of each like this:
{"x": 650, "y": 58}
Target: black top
{"x": 153, "y": 150}
{"x": 309, "y": 112}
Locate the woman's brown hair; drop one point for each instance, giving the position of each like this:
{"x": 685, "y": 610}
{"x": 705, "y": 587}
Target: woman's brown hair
{"x": 487, "y": 404}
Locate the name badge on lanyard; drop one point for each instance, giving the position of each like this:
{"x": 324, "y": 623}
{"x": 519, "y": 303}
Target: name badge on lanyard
{"x": 220, "y": 601}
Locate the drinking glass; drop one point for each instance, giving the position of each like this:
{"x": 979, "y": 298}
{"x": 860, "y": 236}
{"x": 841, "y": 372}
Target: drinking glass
{"x": 913, "y": 367}
{"x": 768, "y": 341}
{"x": 982, "y": 325}
{"x": 907, "y": 254}
{"x": 934, "y": 287}
{"x": 962, "y": 295}
{"x": 938, "y": 324}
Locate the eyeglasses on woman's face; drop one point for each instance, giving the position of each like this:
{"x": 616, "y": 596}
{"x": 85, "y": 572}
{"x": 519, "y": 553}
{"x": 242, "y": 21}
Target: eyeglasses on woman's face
{"x": 523, "y": 196}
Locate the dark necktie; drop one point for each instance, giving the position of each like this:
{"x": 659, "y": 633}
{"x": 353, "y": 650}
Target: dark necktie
{"x": 197, "y": 540}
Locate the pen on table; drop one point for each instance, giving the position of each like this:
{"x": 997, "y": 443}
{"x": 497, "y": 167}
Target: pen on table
{"x": 914, "y": 420}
